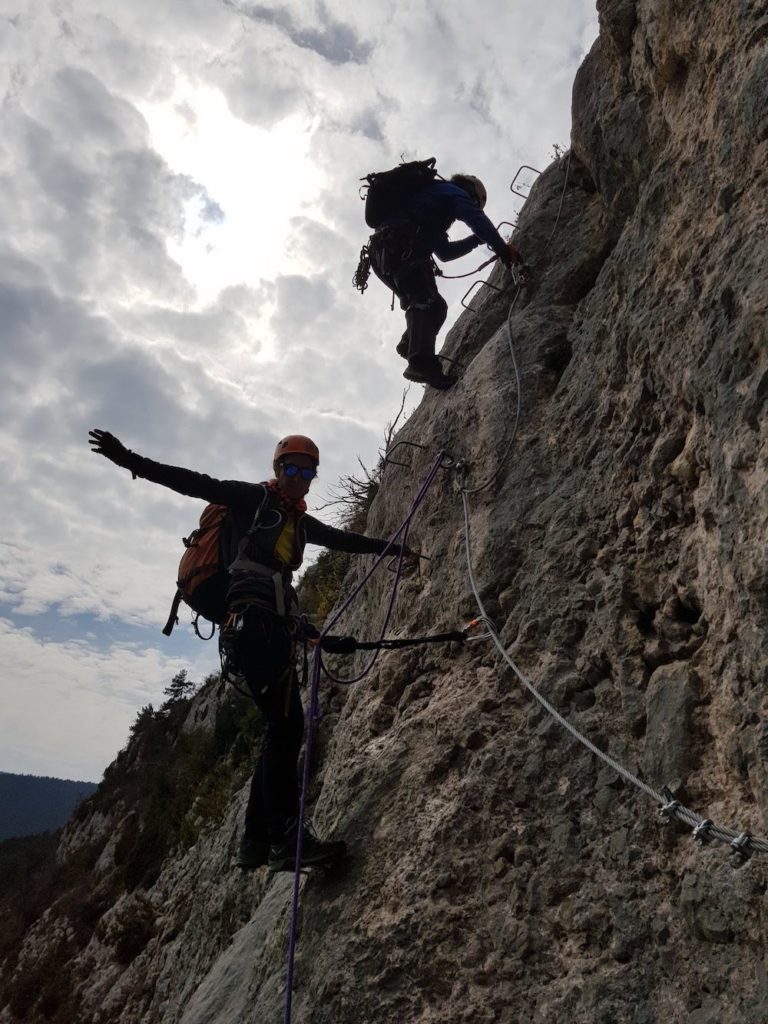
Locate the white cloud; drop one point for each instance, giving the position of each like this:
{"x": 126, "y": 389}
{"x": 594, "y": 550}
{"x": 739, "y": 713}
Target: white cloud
{"x": 72, "y": 704}
{"x": 181, "y": 228}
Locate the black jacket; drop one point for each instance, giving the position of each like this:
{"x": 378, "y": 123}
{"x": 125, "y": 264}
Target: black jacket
{"x": 244, "y": 499}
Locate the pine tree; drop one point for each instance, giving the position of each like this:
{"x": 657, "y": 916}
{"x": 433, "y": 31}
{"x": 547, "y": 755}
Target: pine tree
{"x": 180, "y": 688}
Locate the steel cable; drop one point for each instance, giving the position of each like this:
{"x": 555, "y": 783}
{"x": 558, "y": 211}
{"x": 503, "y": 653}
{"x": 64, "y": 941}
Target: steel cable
{"x": 703, "y": 828}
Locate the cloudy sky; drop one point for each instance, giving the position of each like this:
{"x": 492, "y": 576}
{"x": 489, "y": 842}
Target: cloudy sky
{"x": 181, "y": 225}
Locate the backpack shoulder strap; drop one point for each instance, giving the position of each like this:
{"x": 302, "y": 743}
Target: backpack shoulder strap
{"x": 246, "y": 538}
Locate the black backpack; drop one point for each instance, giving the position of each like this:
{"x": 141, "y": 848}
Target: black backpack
{"x": 388, "y": 191}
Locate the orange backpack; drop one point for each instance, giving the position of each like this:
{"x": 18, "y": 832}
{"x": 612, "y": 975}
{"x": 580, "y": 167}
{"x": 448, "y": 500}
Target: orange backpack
{"x": 203, "y": 579}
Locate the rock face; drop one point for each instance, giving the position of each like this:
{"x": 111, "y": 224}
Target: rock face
{"x": 499, "y": 871}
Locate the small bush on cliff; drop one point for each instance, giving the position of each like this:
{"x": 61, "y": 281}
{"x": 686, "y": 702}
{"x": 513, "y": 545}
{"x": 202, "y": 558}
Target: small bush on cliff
{"x": 180, "y": 784}
{"x": 132, "y": 931}
{"x": 355, "y": 492}
{"x": 352, "y": 498}
{"x": 321, "y": 583}
{"x": 40, "y": 992}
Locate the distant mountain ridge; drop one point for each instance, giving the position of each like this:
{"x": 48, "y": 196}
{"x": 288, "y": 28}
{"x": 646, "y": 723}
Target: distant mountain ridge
{"x": 30, "y": 804}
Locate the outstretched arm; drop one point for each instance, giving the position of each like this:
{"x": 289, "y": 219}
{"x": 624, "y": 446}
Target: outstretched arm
{"x": 346, "y": 540}
{"x": 184, "y": 481}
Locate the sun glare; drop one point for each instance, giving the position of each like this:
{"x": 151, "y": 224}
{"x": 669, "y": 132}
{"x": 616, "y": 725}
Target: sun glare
{"x": 259, "y": 178}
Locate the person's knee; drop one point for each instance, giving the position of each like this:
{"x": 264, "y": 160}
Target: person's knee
{"x": 438, "y": 311}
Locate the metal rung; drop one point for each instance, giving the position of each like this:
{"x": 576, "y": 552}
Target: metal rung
{"x": 472, "y": 288}
{"x": 394, "y": 462}
{"x": 517, "y": 192}
{"x": 446, "y": 462}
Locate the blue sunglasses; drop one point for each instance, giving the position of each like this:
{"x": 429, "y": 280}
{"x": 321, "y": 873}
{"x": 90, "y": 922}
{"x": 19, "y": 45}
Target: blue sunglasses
{"x": 305, "y": 472}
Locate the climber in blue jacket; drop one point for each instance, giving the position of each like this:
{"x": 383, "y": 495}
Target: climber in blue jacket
{"x": 401, "y": 253}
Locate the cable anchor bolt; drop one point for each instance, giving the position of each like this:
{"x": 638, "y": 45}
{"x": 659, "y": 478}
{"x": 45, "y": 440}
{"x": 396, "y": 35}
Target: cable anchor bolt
{"x": 702, "y": 834}
{"x": 740, "y": 845}
{"x": 460, "y": 469}
{"x": 669, "y": 810}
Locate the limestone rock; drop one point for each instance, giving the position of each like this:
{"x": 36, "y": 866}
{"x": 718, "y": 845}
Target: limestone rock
{"x": 494, "y": 866}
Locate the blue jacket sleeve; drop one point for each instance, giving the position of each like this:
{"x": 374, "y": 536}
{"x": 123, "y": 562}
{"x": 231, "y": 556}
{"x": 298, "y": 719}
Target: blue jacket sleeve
{"x": 471, "y": 215}
{"x": 452, "y": 250}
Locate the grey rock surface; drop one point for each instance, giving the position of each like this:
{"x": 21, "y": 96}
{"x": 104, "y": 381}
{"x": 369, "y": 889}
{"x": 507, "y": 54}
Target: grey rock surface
{"x": 499, "y": 872}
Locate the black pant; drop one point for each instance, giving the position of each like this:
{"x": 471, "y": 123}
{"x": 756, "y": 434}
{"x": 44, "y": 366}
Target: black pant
{"x": 263, "y": 651}
{"x": 397, "y": 261}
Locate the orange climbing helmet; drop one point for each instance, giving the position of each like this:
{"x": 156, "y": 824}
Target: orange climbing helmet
{"x": 296, "y": 444}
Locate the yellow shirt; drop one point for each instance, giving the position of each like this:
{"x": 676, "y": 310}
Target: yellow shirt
{"x": 285, "y": 549}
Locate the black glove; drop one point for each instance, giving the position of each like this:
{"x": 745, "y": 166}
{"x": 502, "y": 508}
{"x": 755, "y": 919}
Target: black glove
{"x": 106, "y": 444}
{"x": 339, "y": 644}
{"x": 511, "y": 257}
{"x": 397, "y": 549}
{"x": 410, "y": 557}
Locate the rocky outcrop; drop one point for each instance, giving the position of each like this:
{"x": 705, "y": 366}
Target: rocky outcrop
{"x": 499, "y": 871}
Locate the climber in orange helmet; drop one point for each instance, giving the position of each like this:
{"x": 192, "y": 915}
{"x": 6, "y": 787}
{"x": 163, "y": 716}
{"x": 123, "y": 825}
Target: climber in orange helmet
{"x": 258, "y": 641}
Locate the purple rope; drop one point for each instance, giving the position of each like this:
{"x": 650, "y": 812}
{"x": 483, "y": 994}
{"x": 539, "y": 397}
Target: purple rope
{"x": 387, "y": 616}
{"x": 312, "y": 713}
{"x": 314, "y": 688}
{"x": 402, "y": 529}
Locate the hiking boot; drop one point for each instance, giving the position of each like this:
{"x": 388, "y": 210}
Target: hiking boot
{"x": 253, "y": 853}
{"x": 282, "y": 856}
{"x": 402, "y": 346}
{"x": 428, "y": 371}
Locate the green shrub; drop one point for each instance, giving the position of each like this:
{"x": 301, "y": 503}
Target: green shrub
{"x": 169, "y": 786}
{"x": 43, "y": 991}
{"x": 321, "y": 584}
{"x": 133, "y": 930}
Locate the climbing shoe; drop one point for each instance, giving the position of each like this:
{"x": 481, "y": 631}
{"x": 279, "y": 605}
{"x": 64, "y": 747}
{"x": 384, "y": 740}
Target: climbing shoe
{"x": 428, "y": 371}
{"x": 314, "y": 852}
{"x": 253, "y": 853}
{"x": 402, "y": 346}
